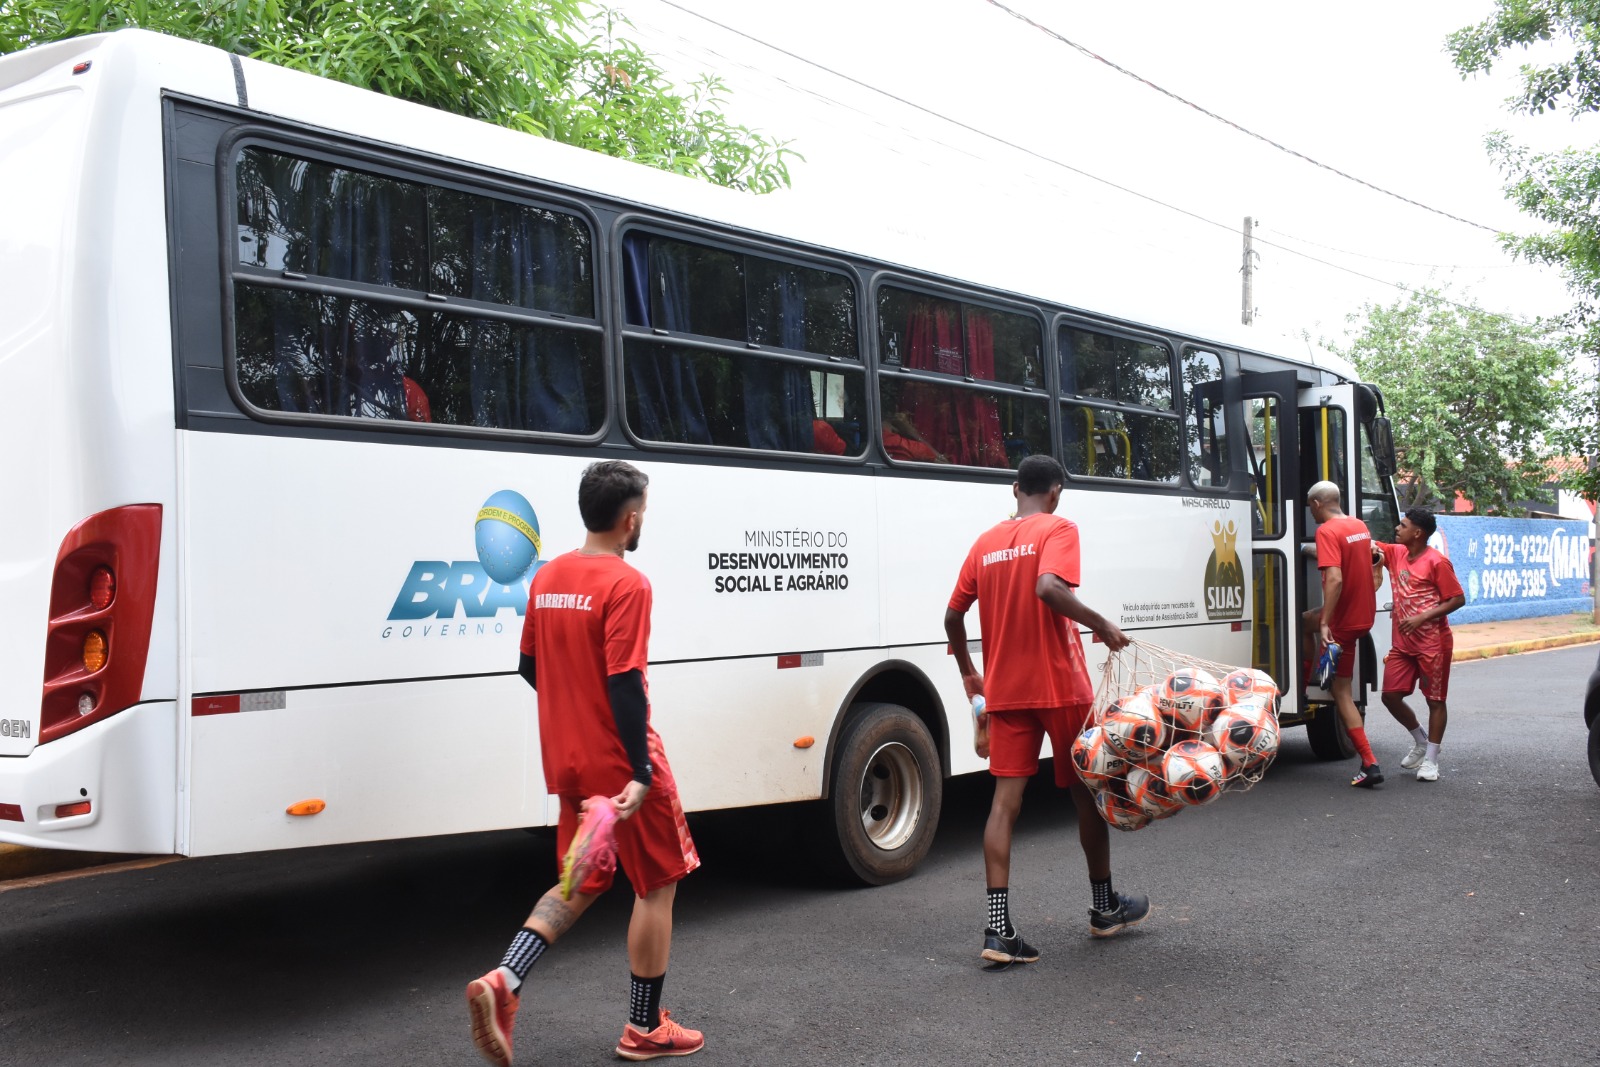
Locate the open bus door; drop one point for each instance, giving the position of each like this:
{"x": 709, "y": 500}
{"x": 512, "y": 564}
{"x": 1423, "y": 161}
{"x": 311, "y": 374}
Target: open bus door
{"x": 1271, "y": 407}
{"x": 1336, "y": 431}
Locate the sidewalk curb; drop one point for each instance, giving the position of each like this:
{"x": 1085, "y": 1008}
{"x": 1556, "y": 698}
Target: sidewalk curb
{"x": 1513, "y": 648}
{"x": 22, "y": 861}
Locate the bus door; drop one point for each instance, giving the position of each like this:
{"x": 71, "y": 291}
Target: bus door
{"x": 1335, "y": 446}
{"x": 1272, "y": 417}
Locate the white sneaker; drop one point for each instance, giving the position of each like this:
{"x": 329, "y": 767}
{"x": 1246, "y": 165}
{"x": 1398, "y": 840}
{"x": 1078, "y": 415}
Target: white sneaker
{"x": 1413, "y": 758}
{"x": 1429, "y": 771}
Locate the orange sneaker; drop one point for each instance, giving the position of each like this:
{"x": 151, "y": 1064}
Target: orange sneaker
{"x": 668, "y": 1039}
{"x": 493, "y": 1008}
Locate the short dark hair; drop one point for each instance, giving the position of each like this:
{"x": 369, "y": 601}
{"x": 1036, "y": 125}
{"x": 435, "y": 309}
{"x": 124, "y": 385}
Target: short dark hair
{"x": 605, "y": 489}
{"x": 1423, "y": 519}
{"x": 1038, "y": 474}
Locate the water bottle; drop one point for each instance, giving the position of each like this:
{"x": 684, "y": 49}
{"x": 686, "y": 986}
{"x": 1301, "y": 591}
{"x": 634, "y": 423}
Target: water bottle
{"x": 980, "y": 727}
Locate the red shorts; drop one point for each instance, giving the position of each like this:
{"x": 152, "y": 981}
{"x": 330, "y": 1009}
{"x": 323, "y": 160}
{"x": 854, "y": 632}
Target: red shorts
{"x": 1017, "y": 735}
{"x": 1349, "y": 642}
{"x": 1403, "y": 670}
{"x": 653, "y": 845}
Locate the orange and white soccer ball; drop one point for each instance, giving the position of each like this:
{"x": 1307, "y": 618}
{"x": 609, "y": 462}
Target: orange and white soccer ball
{"x": 1119, "y": 811}
{"x": 1246, "y": 735}
{"x": 1150, "y": 794}
{"x": 1247, "y": 682}
{"x": 1134, "y": 729}
{"x": 1097, "y": 762}
{"x": 1194, "y": 772}
{"x": 1192, "y": 697}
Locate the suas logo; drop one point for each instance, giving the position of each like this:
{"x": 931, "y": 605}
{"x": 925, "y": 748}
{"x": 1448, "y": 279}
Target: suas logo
{"x": 506, "y": 535}
{"x": 1224, "y": 575}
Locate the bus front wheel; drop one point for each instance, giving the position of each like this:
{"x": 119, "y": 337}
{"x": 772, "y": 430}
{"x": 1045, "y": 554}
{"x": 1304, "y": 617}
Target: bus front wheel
{"x": 884, "y": 796}
{"x": 1329, "y": 739}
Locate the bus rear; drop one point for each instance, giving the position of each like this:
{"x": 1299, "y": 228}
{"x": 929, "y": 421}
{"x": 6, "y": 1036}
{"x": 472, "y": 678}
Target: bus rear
{"x": 88, "y": 735}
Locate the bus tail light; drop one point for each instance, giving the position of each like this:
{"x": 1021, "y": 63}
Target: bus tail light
{"x": 102, "y": 605}
{"x": 67, "y": 811}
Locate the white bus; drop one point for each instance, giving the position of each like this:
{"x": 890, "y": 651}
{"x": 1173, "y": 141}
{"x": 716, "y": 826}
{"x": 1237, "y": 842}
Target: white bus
{"x": 300, "y": 380}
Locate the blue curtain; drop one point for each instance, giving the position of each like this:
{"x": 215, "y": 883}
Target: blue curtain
{"x": 778, "y": 401}
{"x": 663, "y": 385}
{"x": 348, "y": 358}
{"x": 522, "y": 378}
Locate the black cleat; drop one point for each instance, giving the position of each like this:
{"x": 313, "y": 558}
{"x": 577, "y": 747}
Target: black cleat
{"x": 1367, "y": 777}
{"x": 1130, "y": 911}
{"x": 997, "y": 949}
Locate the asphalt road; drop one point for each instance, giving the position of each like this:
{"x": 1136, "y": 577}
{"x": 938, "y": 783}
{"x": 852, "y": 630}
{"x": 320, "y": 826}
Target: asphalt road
{"x": 1302, "y": 923}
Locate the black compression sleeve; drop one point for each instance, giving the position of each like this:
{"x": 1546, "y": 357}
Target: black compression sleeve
{"x": 525, "y": 668}
{"x": 631, "y": 712}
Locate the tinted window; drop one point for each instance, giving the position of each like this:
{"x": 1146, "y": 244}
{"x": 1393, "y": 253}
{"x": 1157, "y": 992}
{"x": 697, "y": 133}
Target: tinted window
{"x": 1205, "y": 418}
{"x": 740, "y": 400}
{"x": 1104, "y": 366}
{"x": 735, "y": 296}
{"x": 930, "y": 421}
{"x": 944, "y": 336}
{"x": 1108, "y": 443}
{"x": 509, "y": 253}
{"x": 324, "y": 355}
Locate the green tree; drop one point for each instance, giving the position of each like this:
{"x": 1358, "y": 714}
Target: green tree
{"x": 556, "y": 68}
{"x": 1557, "y": 188}
{"x": 1471, "y": 395}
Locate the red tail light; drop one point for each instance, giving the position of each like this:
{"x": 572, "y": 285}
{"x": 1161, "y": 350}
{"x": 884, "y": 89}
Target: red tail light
{"x": 102, "y": 602}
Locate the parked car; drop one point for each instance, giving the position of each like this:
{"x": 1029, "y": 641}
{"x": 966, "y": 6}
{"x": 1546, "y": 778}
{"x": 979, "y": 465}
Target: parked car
{"x": 1591, "y": 718}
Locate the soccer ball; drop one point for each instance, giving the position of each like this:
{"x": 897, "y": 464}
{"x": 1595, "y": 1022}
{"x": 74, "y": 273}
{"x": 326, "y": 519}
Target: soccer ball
{"x": 1245, "y": 735}
{"x": 1149, "y": 793}
{"x": 1097, "y": 762}
{"x": 1194, "y": 772}
{"x": 1192, "y": 697}
{"x": 1134, "y": 729}
{"x": 1119, "y": 811}
{"x": 1245, "y": 682}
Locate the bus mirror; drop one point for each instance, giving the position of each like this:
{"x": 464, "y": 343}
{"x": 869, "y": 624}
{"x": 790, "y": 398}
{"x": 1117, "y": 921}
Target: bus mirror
{"x": 1383, "y": 447}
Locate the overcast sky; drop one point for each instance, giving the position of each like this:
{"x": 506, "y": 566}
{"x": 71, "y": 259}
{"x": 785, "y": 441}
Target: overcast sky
{"x": 1363, "y": 86}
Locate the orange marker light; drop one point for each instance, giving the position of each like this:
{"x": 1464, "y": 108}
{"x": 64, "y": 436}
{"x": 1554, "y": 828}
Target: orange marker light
{"x": 94, "y": 651}
{"x": 306, "y": 807}
{"x": 804, "y": 742}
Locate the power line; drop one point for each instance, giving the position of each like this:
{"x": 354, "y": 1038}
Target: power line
{"x": 1063, "y": 165}
{"x": 1230, "y": 123}
{"x": 1400, "y": 262}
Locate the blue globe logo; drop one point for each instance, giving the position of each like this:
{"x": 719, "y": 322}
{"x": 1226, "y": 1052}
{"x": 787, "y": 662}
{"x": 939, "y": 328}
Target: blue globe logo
{"x": 507, "y": 536}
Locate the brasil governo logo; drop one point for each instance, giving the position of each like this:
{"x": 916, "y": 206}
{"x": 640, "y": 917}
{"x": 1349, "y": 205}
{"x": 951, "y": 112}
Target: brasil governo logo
{"x": 506, "y": 535}
{"x": 1224, "y": 575}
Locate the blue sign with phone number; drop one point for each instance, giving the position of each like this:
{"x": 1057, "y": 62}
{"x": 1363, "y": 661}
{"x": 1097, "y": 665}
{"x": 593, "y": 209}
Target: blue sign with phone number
{"x": 1517, "y": 568}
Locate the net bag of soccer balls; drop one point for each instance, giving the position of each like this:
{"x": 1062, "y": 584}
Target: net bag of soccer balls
{"x": 1169, "y": 731}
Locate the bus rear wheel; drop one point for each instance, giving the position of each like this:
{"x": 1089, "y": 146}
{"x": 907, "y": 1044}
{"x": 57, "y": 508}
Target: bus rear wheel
{"x": 884, "y": 797}
{"x": 1329, "y": 739}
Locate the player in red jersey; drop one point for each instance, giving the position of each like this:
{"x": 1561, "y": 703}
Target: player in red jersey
{"x": 1425, "y": 591}
{"x": 584, "y": 643}
{"x": 1024, "y": 574}
{"x": 1349, "y": 606}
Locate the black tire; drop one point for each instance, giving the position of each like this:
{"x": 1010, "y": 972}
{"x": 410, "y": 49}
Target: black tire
{"x": 1594, "y": 750}
{"x": 884, "y": 796}
{"x": 1329, "y": 739}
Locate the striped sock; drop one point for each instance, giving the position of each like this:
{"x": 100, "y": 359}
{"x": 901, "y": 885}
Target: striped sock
{"x": 1103, "y": 898}
{"x": 1000, "y": 912}
{"x": 525, "y": 950}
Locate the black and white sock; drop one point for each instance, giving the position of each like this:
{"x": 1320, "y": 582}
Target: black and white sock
{"x": 525, "y": 950}
{"x": 644, "y": 1002}
{"x": 1104, "y": 899}
{"x": 1000, "y": 912}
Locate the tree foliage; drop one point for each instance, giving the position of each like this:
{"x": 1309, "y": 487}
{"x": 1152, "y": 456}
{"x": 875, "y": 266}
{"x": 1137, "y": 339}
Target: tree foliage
{"x": 1471, "y": 394}
{"x": 1557, "y": 188}
{"x": 557, "y": 68}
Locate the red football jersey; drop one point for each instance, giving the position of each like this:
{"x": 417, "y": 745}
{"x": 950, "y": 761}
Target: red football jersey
{"x": 1032, "y": 657}
{"x": 1347, "y": 544}
{"x": 588, "y": 618}
{"x": 1420, "y": 584}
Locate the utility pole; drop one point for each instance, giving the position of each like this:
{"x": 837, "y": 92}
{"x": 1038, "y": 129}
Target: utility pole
{"x": 1247, "y": 306}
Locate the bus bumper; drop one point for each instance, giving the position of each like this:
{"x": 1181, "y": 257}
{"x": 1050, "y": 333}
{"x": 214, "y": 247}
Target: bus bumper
{"x": 124, "y": 768}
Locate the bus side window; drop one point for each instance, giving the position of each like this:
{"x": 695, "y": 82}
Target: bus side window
{"x": 1117, "y": 413}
